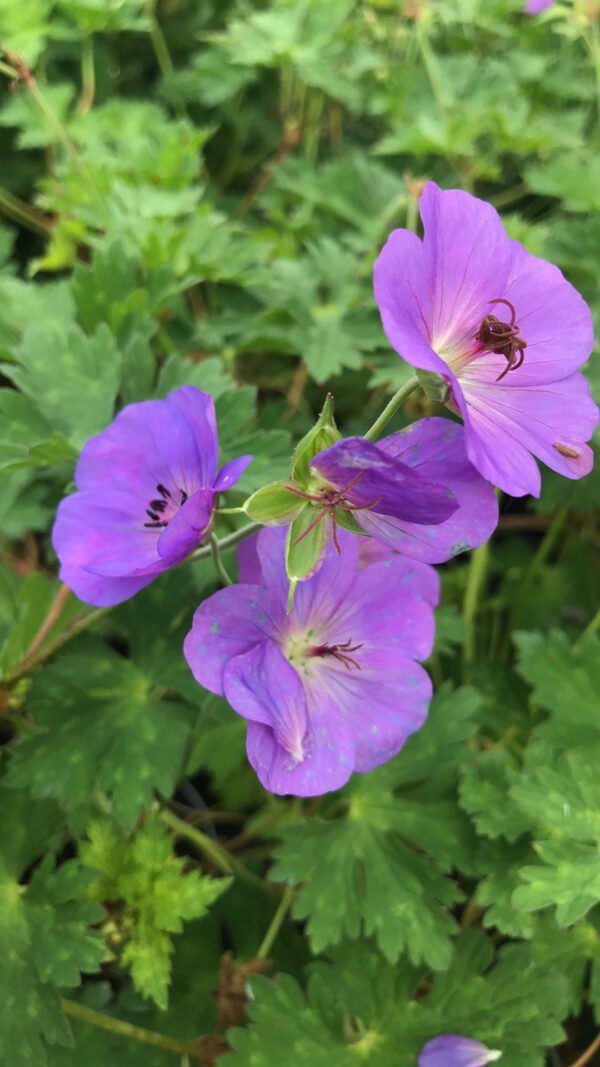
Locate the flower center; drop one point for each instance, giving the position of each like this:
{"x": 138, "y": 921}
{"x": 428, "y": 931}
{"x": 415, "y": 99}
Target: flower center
{"x": 328, "y": 498}
{"x": 503, "y": 338}
{"x": 162, "y": 510}
{"x": 301, "y": 649}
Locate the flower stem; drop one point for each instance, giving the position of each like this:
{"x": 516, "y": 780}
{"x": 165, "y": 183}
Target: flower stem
{"x": 591, "y": 628}
{"x": 284, "y": 906}
{"x": 218, "y": 562}
{"x": 589, "y": 1052}
{"x": 20, "y": 73}
{"x": 159, "y": 44}
{"x": 30, "y": 663}
{"x": 475, "y": 584}
{"x": 124, "y": 1029}
{"x": 212, "y": 850}
{"x": 390, "y": 410}
{"x": 23, "y": 213}
{"x": 88, "y": 75}
{"x": 225, "y": 542}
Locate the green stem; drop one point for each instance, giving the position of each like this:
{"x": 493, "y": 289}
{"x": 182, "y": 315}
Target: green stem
{"x": 23, "y": 213}
{"x": 33, "y": 662}
{"x": 124, "y": 1029}
{"x": 88, "y": 75}
{"x": 212, "y": 850}
{"x": 431, "y": 68}
{"x": 225, "y": 542}
{"x": 390, "y": 410}
{"x": 20, "y": 73}
{"x": 591, "y": 628}
{"x": 475, "y": 583}
{"x": 159, "y": 44}
{"x": 218, "y": 562}
{"x": 284, "y": 906}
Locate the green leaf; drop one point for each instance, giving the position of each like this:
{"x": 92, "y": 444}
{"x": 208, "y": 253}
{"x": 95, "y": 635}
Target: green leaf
{"x": 358, "y": 1008}
{"x": 103, "y": 727}
{"x": 57, "y": 368}
{"x": 566, "y": 681}
{"x": 380, "y": 869}
{"x": 45, "y": 934}
{"x": 157, "y": 897}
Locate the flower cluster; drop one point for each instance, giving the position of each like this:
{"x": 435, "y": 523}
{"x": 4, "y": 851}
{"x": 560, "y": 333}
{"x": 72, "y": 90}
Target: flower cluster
{"x": 319, "y": 646}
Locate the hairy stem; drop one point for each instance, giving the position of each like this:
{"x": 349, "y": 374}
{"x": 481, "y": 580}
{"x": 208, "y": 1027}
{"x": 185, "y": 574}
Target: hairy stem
{"x": 218, "y": 562}
{"x": 475, "y": 584}
{"x": 390, "y": 410}
{"x": 159, "y": 44}
{"x": 124, "y": 1029}
{"x": 284, "y": 906}
{"x": 27, "y": 665}
{"x": 23, "y": 213}
{"x": 88, "y": 75}
{"x": 212, "y": 850}
{"x": 225, "y": 542}
{"x": 20, "y": 73}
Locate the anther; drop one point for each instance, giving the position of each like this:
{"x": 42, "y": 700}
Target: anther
{"x": 164, "y": 492}
{"x": 566, "y": 450}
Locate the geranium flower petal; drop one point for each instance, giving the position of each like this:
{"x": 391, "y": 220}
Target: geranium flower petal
{"x": 509, "y": 425}
{"x": 231, "y": 473}
{"x": 229, "y": 623}
{"x": 389, "y": 486}
{"x": 451, "y": 1050}
{"x": 436, "y": 449}
{"x": 105, "y": 533}
{"x": 187, "y": 526}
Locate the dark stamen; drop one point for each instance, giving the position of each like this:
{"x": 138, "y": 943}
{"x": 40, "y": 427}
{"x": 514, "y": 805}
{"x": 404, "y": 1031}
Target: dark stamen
{"x": 184, "y": 496}
{"x": 164, "y": 492}
{"x": 152, "y": 515}
{"x": 154, "y": 525}
{"x": 158, "y": 505}
{"x": 339, "y": 652}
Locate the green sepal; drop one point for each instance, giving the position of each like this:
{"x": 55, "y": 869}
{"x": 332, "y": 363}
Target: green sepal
{"x": 273, "y": 505}
{"x": 323, "y": 434}
{"x": 302, "y": 559}
{"x": 346, "y": 520}
{"x": 433, "y": 386}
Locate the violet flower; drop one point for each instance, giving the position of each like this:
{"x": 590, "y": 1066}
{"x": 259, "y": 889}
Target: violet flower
{"x": 414, "y": 491}
{"x": 146, "y": 492}
{"x": 450, "y": 1050}
{"x": 535, "y": 7}
{"x": 503, "y": 330}
{"x": 334, "y": 686}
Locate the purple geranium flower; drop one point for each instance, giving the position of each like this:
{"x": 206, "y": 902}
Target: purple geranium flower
{"x": 146, "y": 493}
{"x": 450, "y": 1050}
{"x": 535, "y": 7}
{"x": 414, "y": 491}
{"x": 333, "y": 686}
{"x": 504, "y": 331}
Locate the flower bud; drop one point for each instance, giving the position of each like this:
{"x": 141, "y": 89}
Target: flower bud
{"x": 273, "y": 505}
{"x": 323, "y": 434}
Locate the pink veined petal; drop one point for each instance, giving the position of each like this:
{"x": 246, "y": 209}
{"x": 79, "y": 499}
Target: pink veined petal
{"x": 99, "y": 591}
{"x": 381, "y": 706}
{"x": 229, "y": 623}
{"x": 262, "y": 686}
{"x": 468, "y": 256}
{"x": 389, "y": 613}
{"x": 403, "y": 287}
{"x": 231, "y": 473}
{"x": 198, "y": 411}
{"x": 504, "y": 425}
{"x": 453, "y": 1050}
{"x": 105, "y": 533}
{"x": 436, "y": 448}
{"x": 317, "y": 600}
{"x": 187, "y": 527}
{"x": 249, "y": 568}
{"x": 387, "y": 484}
{"x": 553, "y": 318}
{"x": 148, "y": 444}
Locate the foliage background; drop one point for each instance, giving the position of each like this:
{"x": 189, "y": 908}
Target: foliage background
{"x": 195, "y": 193}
